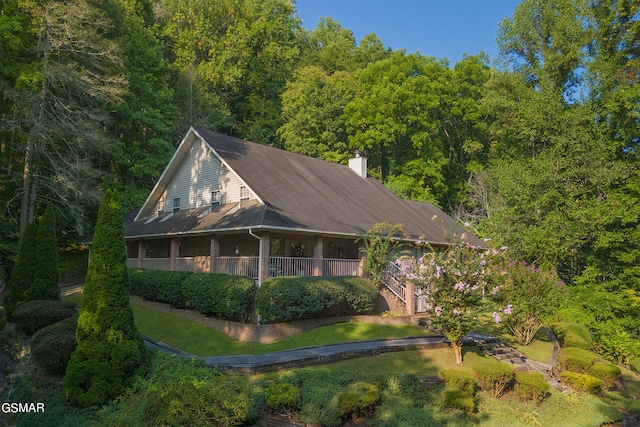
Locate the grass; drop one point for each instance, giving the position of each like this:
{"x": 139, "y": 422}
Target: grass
{"x": 540, "y": 349}
{"x": 202, "y": 340}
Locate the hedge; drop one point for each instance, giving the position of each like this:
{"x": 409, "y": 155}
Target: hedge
{"x": 494, "y": 377}
{"x": 530, "y": 386}
{"x": 457, "y": 379}
{"x": 219, "y": 295}
{"x": 51, "y": 346}
{"x": 35, "y": 315}
{"x": 293, "y": 298}
{"x": 213, "y": 294}
{"x": 572, "y": 334}
{"x": 582, "y": 382}
{"x": 607, "y": 372}
{"x": 158, "y": 285}
{"x": 576, "y": 359}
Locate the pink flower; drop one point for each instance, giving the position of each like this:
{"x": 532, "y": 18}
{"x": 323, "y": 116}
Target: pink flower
{"x": 496, "y": 317}
{"x": 509, "y": 309}
{"x": 459, "y": 286}
{"x": 438, "y": 311}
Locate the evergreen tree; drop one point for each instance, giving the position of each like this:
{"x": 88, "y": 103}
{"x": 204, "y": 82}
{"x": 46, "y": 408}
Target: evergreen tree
{"x": 46, "y": 275}
{"x": 23, "y": 272}
{"x": 110, "y": 351}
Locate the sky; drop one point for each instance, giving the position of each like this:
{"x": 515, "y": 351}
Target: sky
{"x": 439, "y": 28}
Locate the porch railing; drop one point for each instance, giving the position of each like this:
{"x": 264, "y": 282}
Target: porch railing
{"x": 157, "y": 263}
{"x": 197, "y": 264}
{"x": 291, "y": 266}
{"x": 248, "y": 265}
{"x": 340, "y": 267}
{"x": 237, "y": 266}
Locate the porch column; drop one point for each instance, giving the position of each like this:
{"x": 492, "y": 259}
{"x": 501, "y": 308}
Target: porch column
{"x": 361, "y": 259}
{"x": 318, "y": 254}
{"x": 140, "y": 252}
{"x": 265, "y": 253}
{"x": 214, "y": 251}
{"x": 410, "y": 298}
{"x": 175, "y": 251}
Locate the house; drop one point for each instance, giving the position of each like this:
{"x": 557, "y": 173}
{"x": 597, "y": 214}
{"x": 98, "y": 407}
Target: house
{"x": 228, "y": 205}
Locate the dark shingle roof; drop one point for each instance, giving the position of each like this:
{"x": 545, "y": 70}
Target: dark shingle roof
{"x": 303, "y": 193}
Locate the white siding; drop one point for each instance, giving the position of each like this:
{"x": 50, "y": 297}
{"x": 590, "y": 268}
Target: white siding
{"x": 200, "y": 173}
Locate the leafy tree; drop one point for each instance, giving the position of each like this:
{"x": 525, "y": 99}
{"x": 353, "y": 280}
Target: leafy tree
{"x": 312, "y": 108}
{"x": 236, "y": 56}
{"x": 110, "y": 351}
{"x": 379, "y": 246}
{"x": 456, "y": 279}
{"x": 46, "y": 275}
{"x": 531, "y": 296}
{"x": 23, "y": 273}
{"x": 146, "y": 122}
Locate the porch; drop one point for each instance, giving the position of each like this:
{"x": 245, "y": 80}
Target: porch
{"x": 249, "y": 265}
{"x": 261, "y": 256}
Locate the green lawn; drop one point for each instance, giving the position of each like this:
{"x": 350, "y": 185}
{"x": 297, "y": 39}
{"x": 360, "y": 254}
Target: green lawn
{"x": 202, "y": 340}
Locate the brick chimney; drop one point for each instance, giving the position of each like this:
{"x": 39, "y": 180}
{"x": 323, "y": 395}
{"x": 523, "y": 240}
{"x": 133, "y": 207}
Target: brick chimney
{"x": 359, "y": 164}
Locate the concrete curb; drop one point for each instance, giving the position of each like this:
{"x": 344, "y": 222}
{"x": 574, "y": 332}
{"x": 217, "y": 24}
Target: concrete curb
{"x": 309, "y": 356}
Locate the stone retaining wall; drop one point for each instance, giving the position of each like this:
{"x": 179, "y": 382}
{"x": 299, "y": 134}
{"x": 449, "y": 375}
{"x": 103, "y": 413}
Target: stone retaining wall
{"x": 265, "y": 334}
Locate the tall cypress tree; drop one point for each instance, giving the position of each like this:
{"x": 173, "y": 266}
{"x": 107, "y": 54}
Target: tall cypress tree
{"x": 110, "y": 350}
{"x": 46, "y": 275}
{"x": 23, "y": 272}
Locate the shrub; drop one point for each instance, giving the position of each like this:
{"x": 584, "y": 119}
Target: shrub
{"x": 582, "y": 382}
{"x": 607, "y": 372}
{"x": 23, "y": 272}
{"x": 45, "y": 280}
{"x": 110, "y": 351}
{"x": 282, "y": 397}
{"x": 219, "y": 295}
{"x": 51, "y": 346}
{"x": 635, "y": 365}
{"x": 160, "y": 286}
{"x": 494, "y": 377}
{"x": 572, "y": 334}
{"x": 458, "y": 399}
{"x": 530, "y": 386}
{"x": 456, "y": 379}
{"x": 359, "y": 401}
{"x": 292, "y": 298}
{"x": 576, "y": 359}
{"x": 35, "y": 315}
{"x": 615, "y": 344}
{"x": 204, "y": 401}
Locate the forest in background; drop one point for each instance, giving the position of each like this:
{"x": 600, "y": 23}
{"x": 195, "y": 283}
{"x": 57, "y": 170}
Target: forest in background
{"x": 537, "y": 149}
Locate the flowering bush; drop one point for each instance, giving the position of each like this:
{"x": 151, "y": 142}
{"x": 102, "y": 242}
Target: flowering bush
{"x": 532, "y": 296}
{"x": 455, "y": 280}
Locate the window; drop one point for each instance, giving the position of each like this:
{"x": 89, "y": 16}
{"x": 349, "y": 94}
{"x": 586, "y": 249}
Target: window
{"x": 176, "y": 204}
{"x": 244, "y": 193}
{"x": 160, "y": 206}
{"x": 215, "y": 199}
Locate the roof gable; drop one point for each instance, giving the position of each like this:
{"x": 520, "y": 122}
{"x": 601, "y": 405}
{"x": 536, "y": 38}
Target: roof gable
{"x": 192, "y": 174}
{"x": 292, "y": 193}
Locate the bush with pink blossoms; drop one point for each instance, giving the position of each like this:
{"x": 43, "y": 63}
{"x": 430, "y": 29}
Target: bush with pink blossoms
{"x": 455, "y": 280}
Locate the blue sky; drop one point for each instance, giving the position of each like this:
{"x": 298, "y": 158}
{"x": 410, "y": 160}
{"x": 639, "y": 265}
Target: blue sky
{"x": 440, "y": 28}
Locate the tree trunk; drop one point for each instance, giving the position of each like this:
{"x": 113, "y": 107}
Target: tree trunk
{"x": 457, "y": 349}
